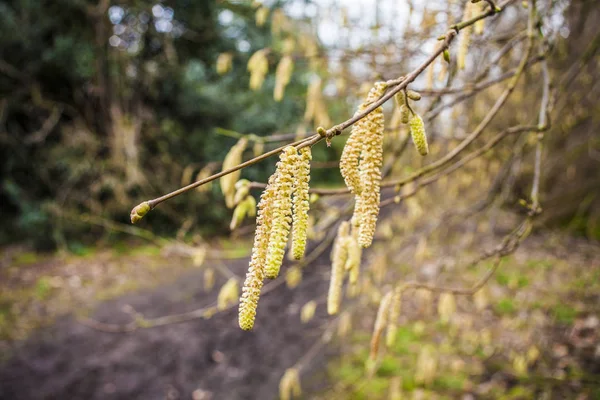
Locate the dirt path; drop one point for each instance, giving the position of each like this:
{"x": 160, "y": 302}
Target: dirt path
{"x": 201, "y": 359}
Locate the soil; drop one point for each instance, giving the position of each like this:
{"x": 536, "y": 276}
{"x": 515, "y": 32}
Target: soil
{"x": 207, "y": 359}
{"x": 201, "y": 359}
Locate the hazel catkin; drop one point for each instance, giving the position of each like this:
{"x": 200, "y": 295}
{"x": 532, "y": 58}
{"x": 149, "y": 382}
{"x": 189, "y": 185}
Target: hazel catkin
{"x": 380, "y": 323}
{"x": 352, "y": 264}
{"x": 350, "y": 158}
{"x": 282, "y": 211}
{"x": 417, "y": 131}
{"x": 301, "y": 203}
{"x": 256, "y": 271}
{"x": 395, "y": 307}
{"x": 370, "y": 169}
{"x": 339, "y": 255}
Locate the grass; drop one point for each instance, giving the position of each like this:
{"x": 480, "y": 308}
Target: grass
{"x": 42, "y": 288}
{"x": 505, "y": 306}
{"x": 25, "y": 258}
{"x": 564, "y": 314}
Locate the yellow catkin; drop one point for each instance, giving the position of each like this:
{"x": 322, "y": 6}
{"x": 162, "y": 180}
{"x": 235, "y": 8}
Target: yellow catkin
{"x": 353, "y": 150}
{"x": 279, "y": 22}
{"x": 430, "y": 74}
{"x": 370, "y": 169}
{"x": 480, "y": 25}
{"x": 244, "y": 208}
{"x": 282, "y": 211}
{"x": 352, "y": 264}
{"x": 465, "y": 38}
{"x": 395, "y": 307}
{"x": 256, "y": 271}
{"x": 242, "y": 188}
{"x": 417, "y": 131}
{"x": 233, "y": 158}
{"x": 446, "y": 307}
{"x": 203, "y": 174}
{"x": 258, "y": 66}
{"x": 283, "y": 74}
{"x": 209, "y": 279}
{"x": 404, "y": 114}
{"x": 344, "y": 324}
{"x": 293, "y": 277}
{"x": 301, "y": 204}
{"x": 289, "y": 385}
{"x": 411, "y": 94}
{"x": 350, "y": 157}
{"x": 198, "y": 256}
{"x": 380, "y": 323}
{"x": 228, "y": 294}
{"x": 261, "y": 15}
{"x": 307, "y": 312}
{"x": 339, "y": 255}
{"x": 426, "y": 365}
{"x": 224, "y": 61}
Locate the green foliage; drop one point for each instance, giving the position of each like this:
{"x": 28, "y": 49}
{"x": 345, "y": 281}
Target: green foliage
{"x": 160, "y": 88}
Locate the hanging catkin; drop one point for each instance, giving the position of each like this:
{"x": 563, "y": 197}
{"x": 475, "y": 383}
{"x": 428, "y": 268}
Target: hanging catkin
{"x": 282, "y": 210}
{"x": 370, "y": 168}
{"x": 256, "y": 272}
{"x": 380, "y": 323}
{"x": 339, "y": 255}
{"x": 352, "y": 264}
{"x": 301, "y": 203}
{"x": 417, "y": 131}
{"x": 395, "y": 307}
{"x": 465, "y": 37}
{"x": 350, "y": 156}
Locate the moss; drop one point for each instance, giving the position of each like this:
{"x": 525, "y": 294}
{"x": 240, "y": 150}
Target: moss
{"x": 149, "y": 250}
{"x": 522, "y": 282}
{"x": 42, "y": 288}
{"x": 81, "y": 250}
{"x": 502, "y": 278}
{"x": 406, "y": 338}
{"x": 26, "y": 258}
{"x": 505, "y": 306}
{"x": 539, "y": 264}
{"x": 564, "y": 314}
{"x": 374, "y": 388}
{"x": 518, "y": 392}
{"x": 450, "y": 382}
{"x": 348, "y": 372}
{"x": 389, "y": 366}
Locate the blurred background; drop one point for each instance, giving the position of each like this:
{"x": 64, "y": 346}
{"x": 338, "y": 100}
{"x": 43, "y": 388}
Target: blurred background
{"x": 105, "y": 104}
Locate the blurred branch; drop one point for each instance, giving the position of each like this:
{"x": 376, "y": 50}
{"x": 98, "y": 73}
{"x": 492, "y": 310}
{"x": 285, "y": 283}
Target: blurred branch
{"x": 394, "y": 86}
{"x": 49, "y": 124}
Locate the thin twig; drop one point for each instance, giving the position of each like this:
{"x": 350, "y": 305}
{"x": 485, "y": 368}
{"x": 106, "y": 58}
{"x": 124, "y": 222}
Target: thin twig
{"x": 394, "y": 86}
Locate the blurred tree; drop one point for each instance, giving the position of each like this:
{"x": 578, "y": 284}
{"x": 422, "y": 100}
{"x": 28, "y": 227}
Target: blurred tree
{"x": 103, "y": 102}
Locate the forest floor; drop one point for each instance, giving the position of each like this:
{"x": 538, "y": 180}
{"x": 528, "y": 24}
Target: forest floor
{"x": 533, "y": 332}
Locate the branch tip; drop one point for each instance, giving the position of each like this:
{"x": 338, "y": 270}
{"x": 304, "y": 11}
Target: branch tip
{"x": 139, "y": 212}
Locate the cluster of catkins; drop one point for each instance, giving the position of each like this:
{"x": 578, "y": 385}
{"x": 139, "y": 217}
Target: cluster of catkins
{"x": 362, "y": 158}
{"x": 360, "y": 165}
{"x": 283, "y": 204}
